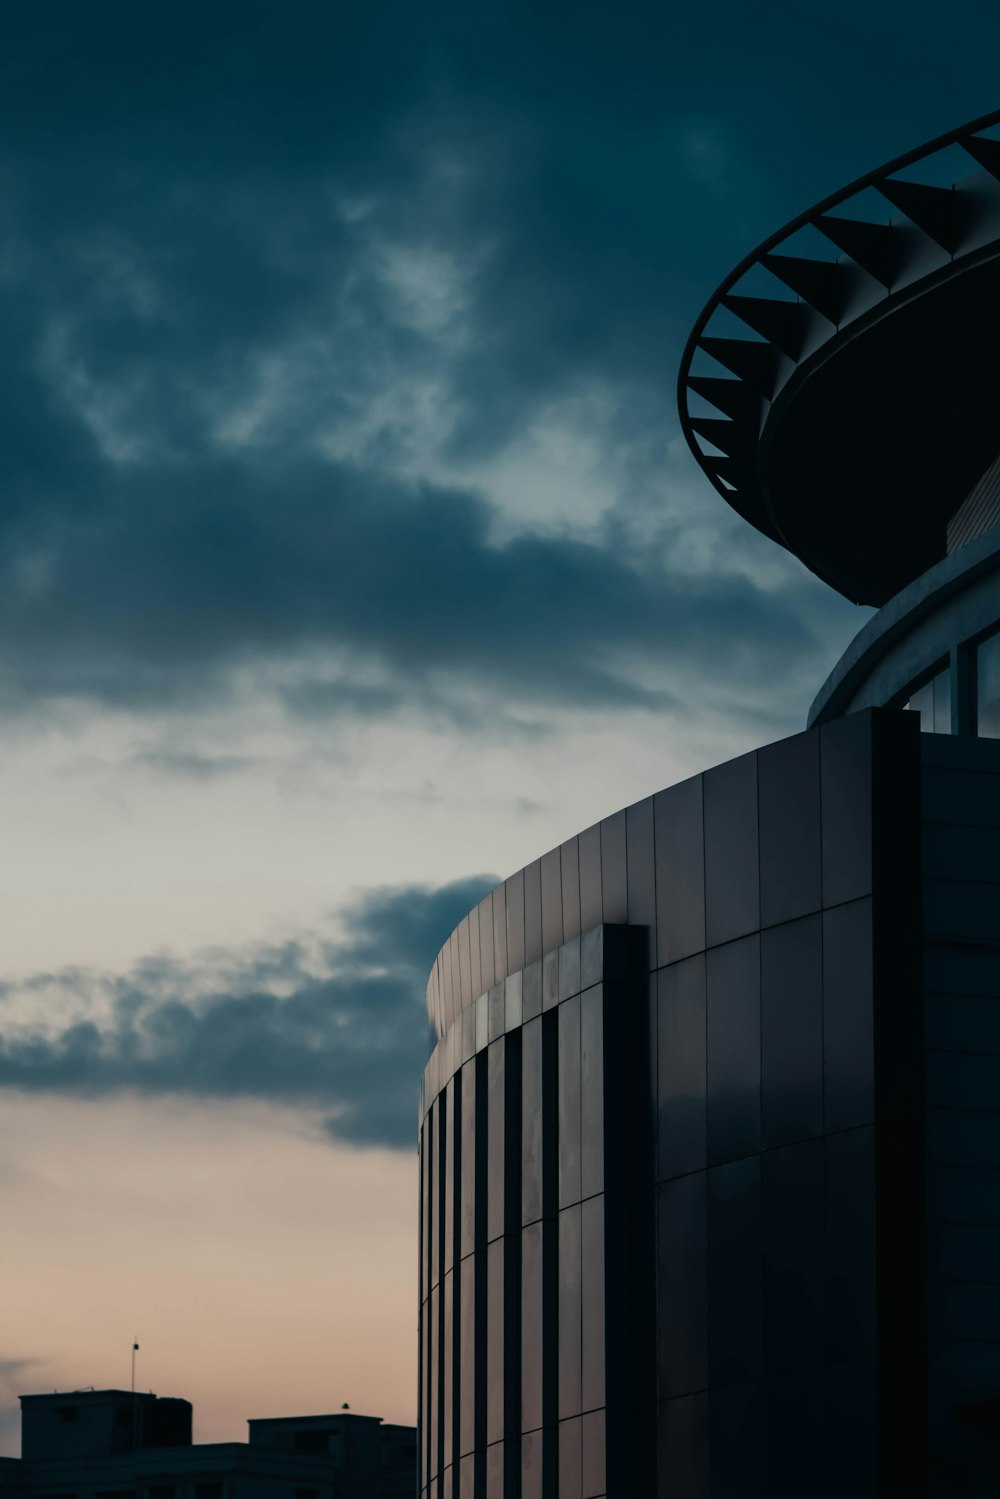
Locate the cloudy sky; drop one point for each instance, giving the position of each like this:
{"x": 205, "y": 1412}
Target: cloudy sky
{"x": 351, "y": 558}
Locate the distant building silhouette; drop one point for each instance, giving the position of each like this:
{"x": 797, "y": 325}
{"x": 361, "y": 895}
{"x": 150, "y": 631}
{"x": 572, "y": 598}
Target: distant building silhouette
{"x": 710, "y": 1137}
{"x": 110, "y": 1444}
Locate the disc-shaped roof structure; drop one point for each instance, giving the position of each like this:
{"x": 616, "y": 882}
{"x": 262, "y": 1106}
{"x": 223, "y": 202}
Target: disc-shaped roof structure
{"x": 846, "y": 400}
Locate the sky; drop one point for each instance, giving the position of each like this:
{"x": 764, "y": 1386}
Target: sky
{"x": 351, "y": 557}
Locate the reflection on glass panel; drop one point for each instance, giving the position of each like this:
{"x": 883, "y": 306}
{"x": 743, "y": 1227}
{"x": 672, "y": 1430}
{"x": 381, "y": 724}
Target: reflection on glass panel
{"x": 988, "y": 688}
{"x": 933, "y": 702}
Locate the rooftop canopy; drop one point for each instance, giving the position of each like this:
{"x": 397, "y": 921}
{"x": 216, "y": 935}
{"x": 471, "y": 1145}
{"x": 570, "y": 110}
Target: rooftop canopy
{"x": 841, "y": 389}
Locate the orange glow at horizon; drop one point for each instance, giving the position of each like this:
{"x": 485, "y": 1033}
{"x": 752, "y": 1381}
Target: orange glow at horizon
{"x": 263, "y": 1270}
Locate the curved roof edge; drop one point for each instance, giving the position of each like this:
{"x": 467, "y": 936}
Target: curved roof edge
{"x": 930, "y": 236}
{"x": 898, "y": 618}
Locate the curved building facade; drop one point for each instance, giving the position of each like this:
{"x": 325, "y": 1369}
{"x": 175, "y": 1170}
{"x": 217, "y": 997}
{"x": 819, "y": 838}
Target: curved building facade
{"x": 710, "y": 1137}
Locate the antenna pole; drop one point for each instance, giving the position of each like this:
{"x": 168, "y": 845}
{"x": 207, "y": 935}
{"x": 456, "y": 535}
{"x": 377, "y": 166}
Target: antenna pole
{"x": 135, "y": 1350}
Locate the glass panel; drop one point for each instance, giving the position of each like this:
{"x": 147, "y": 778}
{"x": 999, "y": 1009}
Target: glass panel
{"x": 613, "y": 870}
{"x": 569, "y": 1102}
{"x": 433, "y": 1385}
{"x": 532, "y": 1323}
{"x": 532, "y": 1466}
{"x": 497, "y": 1135}
{"x": 570, "y": 863}
{"x": 425, "y": 1208}
{"x": 849, "y": 1187}
{"x": 682, "y": 1285}
{"x": 591, "y": 902}
{"x": 680, "y": 871}
{"x": 452, "y": 1139}
{"x": 733, "y": 1045}
{"x": 848, "y": 1016}
{"x": 933, "y": 702}
{"x": 592, "y": 1304}
{"x": 681, "y": 1076}
{"x": 533, "y": 913}
{"x": 531, "y": 1122}
{"x": 515, "y": 922}
{"x": 469, "y": 1395}
{"x": 736, "y": 1457}
{"x": 988, "y": 688}
{"x": 792, "y": 1208}
{"x": 487, "y": 976}
{"x": 641, "y": 877}
{"x": 790, "y": 846}
{"x": 792, "y": 1031}
{"x": 570, "y": 1459}
{"x": 467, "y": 1157}
{"x": 496, "y": 1315}
{"x": 592, "y": 1092}
{"x": 942, "y": 702}
{"x": 734, "y": 1270}
{"x": 732, "y": 860}
{"x": 570, "y": 1311}
{"x": 594, "y": 1462}
{"x": 682, "y": 1445}
{"x": 449, "y": 1389}
{"x": 494, "y": 1471}
{"x": 552, "y": 918}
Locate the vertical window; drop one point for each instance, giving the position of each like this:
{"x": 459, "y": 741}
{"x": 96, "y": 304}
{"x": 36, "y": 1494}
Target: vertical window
{"x": 988, "y": 688}
{"x": 933, "y": 702}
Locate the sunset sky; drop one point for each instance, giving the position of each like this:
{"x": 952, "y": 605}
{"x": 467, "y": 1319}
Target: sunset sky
{"x": 351, "y": 558}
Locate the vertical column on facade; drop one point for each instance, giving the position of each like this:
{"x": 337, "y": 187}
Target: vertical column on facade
{"x": 426, "y": 1256}
{"x": 422, "y": 1305}
{"x": 435, "y": 1407}
{"x": 570, "y": 1314}
{"x": 452, "y": 1318}
{"x": 593, "y": 1384}
{"x": 603, "y": 1271}
{"x": 472, "y": 1238}
{"x": 503, "y": 1267}
{"x": 539, "y": 1265}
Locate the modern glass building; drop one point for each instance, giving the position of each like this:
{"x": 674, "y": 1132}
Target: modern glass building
{"x": 710, "y": 1138}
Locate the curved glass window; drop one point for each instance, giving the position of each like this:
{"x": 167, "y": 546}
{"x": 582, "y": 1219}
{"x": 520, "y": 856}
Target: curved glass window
{"x": 933, "y": 702}
{"x": 988, "y": 688}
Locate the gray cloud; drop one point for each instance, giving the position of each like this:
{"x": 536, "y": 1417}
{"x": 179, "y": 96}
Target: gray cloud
{"x": 282, "y": 287}
{"x": 331, "y": 1023}
{"x": 263, "y": 345}
{"x": 158, "y": 594}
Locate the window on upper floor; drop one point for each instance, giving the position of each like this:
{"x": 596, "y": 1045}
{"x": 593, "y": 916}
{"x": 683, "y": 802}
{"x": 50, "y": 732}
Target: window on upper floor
{"x": 988, "y": 687}
{"x": 312, "y": 1441}
{"x": 932, "y": 701}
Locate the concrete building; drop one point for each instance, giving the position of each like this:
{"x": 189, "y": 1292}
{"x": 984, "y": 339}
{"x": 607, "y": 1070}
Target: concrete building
{"x": 710, "y": 1137}
{"x": 110, "y": 1444}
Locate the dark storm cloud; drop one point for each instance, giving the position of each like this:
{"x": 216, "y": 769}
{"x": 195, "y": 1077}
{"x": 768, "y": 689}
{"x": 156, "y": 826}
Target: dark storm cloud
{"x": 337, "y": 1025}
{"x": 147, "y": 597}
{"x": 231, "y": 233}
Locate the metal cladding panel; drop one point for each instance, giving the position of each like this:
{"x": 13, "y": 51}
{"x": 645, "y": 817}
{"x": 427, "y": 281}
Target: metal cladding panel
{"x": 962, "y": 1036}
{"x": 979, "y": 512}
{"x": 792, "y": 1032}
{"x": 687, "y": 1150}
